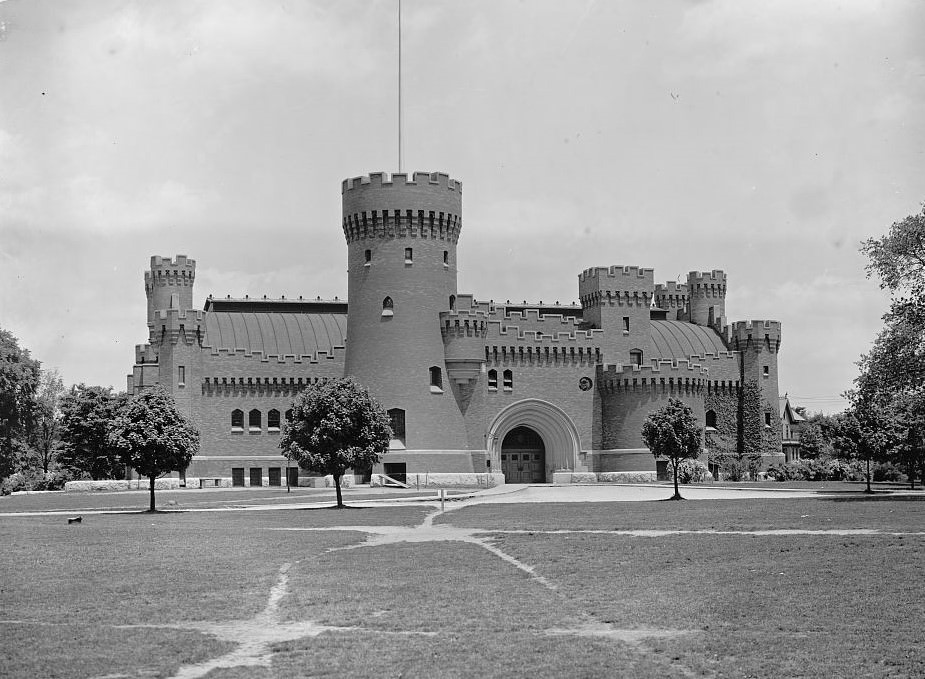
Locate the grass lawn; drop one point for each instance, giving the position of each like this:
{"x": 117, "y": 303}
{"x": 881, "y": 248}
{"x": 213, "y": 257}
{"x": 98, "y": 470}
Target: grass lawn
{"x": 196, "y": 499}
{"x": 172, "y": 594}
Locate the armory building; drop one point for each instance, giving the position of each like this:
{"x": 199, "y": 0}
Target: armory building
{"x": 474, "y": 389}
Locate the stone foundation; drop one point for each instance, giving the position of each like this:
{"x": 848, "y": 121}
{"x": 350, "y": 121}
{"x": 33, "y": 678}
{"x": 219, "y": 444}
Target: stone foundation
{"x": 446, "y": 480}
{"x": 604, "y": 477}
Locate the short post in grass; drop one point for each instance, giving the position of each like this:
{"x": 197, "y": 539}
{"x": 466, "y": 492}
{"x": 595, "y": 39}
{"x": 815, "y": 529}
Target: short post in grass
{"x": 672, "y": 431}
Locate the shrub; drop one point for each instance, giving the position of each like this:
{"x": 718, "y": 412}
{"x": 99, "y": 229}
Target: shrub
{"x": 886, "y": 471}
{"x": 837, "y": 470}
{"x": 690, "y": 471}
{"x": 791, "y": 471}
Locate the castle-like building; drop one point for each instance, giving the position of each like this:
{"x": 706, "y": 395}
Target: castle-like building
{"x": 536, "y": 392}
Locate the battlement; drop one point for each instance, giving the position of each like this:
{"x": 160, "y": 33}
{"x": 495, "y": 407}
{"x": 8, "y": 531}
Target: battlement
{"x": 618, "y": 272}
{"x": 379, "y": 180}
{"x": 710, "y": 280}
{"x": 166, "y": 271}
{"x": 670, "y": 288}
{"x": 505, "y": 343}
{"x": 663, "y": 374}
{"x": 755, "y": 333}
{"x": 423, "y": 224}
{"x": 463, "y": 322}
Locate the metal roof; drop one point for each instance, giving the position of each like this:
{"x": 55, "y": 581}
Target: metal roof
{"x": 677, "y": 339}
{"x": 279, "y": 333}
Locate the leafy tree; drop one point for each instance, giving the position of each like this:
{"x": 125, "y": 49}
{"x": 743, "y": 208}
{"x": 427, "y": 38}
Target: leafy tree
{"x": 892, "y": 374}
{"x": 45, "y": 430}
{"x": 86, "y": 415}
{"x": 672, "y": 431}
{"x": 812, "y": 441}
{"x": 153, "y": 437}
{"x": 336, "y": 425}
{"x": 19, "y": 379}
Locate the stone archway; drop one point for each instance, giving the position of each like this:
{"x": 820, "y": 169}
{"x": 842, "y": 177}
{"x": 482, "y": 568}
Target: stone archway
{"x": 559, "y": 434}
{"x": 523, "y": 456}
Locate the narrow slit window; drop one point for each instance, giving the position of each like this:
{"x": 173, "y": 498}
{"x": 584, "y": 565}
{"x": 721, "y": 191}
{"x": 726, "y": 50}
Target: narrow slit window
{"x": 446, "y": 258}
{"x": 254, "y": 420}
{"x": 767, "y": 419}
{"x": 492, "y": 380}
{"x": 765, "y": 370}
{"x": 626, "y": 324}
{"x": 508, "y": 380}
{"x": 436, "y": 379}
{"x": 181, "y": 375}
{"x": 368, "y": 256}
{"x": 409, "y": 255}
{"x": 452, "y": 302}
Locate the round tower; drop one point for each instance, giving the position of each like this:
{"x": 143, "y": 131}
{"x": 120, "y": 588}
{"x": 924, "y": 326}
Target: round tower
{"x": 401, "y": 236}
{"x": 169, "y": 284}
{"x": 707, "y": 295}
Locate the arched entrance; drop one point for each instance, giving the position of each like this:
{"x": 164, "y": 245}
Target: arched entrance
{"x": 550, "y": 423}
{"x": 523, "y": 456}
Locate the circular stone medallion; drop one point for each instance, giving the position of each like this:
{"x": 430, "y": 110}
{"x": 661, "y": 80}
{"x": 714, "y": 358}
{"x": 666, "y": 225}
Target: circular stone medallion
{"x": 585, "y": 383}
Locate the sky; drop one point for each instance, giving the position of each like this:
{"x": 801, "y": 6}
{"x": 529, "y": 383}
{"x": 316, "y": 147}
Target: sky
{"x": 766, "y": 139}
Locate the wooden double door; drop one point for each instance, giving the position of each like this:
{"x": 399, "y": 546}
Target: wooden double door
{"x": 523, "y": 457}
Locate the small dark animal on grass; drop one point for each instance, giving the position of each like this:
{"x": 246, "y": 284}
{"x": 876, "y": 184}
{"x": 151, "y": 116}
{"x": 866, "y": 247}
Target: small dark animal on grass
{"x": 75, "y": 519}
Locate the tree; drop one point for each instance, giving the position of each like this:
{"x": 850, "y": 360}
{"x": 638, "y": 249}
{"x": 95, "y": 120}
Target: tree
{"x": 892, "y": 374}
{"x": 86, "y": 416}
{"x": 672, "y": 431}
{"x": 19, "y": 379}
{"x": 336, "y": 425}
{"x": 44, "y": 435}
{"x": 153, "y": 437}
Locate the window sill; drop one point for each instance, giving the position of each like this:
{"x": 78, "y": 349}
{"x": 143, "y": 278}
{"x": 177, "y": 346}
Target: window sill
{"x": 181, "y": 384}
{"x": 272, "y": 430}
{"x": 509, "y": 389}
{"x": 255, "y": 430}
{"x": 409, "y": 262}
{"x": 396, "y": 444}
{"x": 492, "y": 388}
{"x": 626, "y": 333}
{"x": 367, "y": 264}
{"x": 435, "y": 390}
{"x": 710, "y": 430}
{"x": 237, "y": 430}
{"x": 388, "y": 313}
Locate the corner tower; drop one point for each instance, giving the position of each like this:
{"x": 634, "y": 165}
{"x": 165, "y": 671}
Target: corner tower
{"x": 401, "y": 236}
{"x": 169, "y": 284}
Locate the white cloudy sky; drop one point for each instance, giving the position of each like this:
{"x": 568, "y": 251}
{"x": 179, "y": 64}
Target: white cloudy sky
{"x": 762, "y": 138}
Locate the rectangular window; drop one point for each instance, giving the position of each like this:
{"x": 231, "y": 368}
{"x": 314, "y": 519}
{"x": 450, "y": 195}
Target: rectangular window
{"x": 767, "y": 419}
{"x": 436, "y": 379}
{"x": 626, "y": 324}
{"x": 397, "y": 422}
{"x": 765, "y": 371}
{"x": 181, "y": 375}
{"x": 409, "y": 256}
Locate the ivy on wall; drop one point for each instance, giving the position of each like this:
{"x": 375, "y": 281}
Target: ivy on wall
{"x": 724, "y": 441}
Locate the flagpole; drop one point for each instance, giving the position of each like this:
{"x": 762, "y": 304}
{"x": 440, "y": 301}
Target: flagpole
{"x": 399, "y": 88}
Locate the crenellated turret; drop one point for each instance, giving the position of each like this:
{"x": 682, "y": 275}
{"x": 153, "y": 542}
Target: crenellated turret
{"x": 673, "y": 297}
{"x": 707, "y": 298}
{"x": 401, "y": 233}
{"x": 169, "y": 284}
{"x": 616, "y": 300}
{"x": 758, "y": 344}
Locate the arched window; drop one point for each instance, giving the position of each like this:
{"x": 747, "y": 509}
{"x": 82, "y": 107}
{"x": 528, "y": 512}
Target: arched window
{"x": 254, "y": 420}
{"x": 387, "y": 306}
{"x": 492, "y": 380}
{"x": 368, "y": 256}
{"x": 446, "y": 258}
{"x": 273, "y": 420}
{"x": 508, "y": 380}
{"x": 436, "y": 379}
{"x": 711, "y": 419}
{"x": 237, "y": 420}
{"x": 409, "y": 255}
{"x": 452, "y": 302}
{"x": 636, "y": 357}
{"x": 397, "y": 422}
